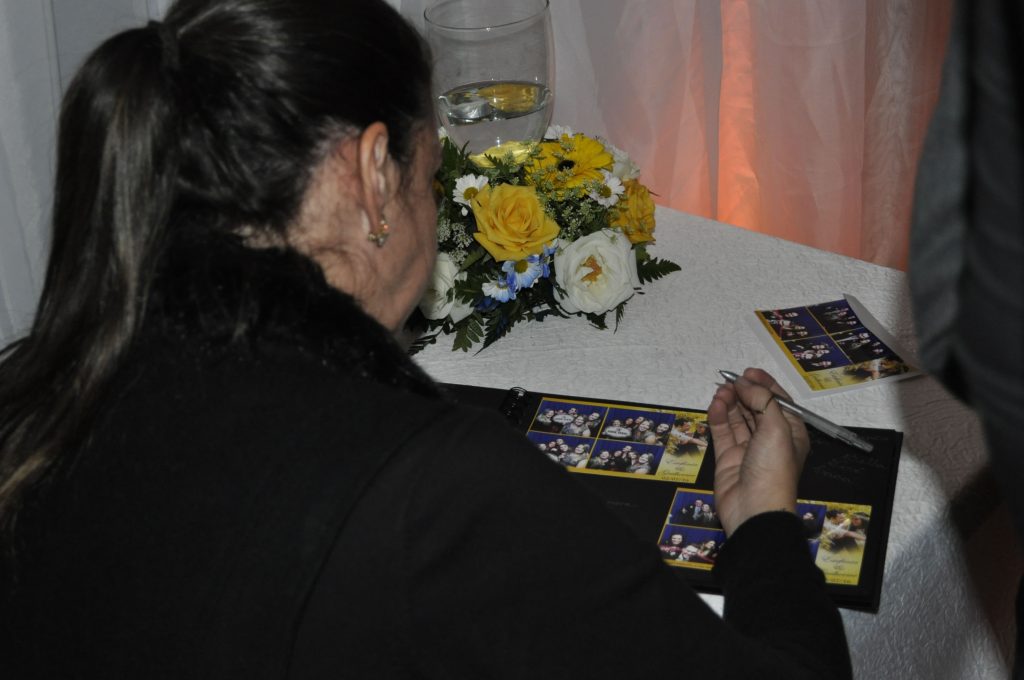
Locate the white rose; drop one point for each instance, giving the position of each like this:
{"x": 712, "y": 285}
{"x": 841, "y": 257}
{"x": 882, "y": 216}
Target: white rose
{"x": 435, "y": 303}
{"x": 596, "y": 273}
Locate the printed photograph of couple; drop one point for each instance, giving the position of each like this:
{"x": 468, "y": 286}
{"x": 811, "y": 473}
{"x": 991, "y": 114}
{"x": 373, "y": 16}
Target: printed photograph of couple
{"x": 836, "y": 534}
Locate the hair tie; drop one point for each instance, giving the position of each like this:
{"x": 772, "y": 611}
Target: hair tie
{"x": 168, "y": 44}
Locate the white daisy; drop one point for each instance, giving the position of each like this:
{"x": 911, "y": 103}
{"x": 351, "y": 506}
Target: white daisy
{"x": 608, "y": 192}
{"x": 466, "y": 189}
{"x": 556, "y": 131}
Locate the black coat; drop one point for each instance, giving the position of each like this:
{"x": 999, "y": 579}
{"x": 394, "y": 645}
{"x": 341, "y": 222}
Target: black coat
{"x": 273, "y": 489}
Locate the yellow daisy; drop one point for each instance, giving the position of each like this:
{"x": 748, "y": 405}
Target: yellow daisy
{"x": 569, "y": 162}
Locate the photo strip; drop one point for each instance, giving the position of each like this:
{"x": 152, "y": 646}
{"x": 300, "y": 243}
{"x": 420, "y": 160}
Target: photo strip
{"x": 832, "y": 346}
{"x": 837, "y": 536}
{"x": 692, "y": 535}
{"x": 626, "y": 441}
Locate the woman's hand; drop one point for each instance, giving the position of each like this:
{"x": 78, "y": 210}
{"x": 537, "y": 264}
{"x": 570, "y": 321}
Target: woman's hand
{"x": 759, "y": 449}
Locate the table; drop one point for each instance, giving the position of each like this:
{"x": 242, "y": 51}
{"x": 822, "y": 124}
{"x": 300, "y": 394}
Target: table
{"x": 952, "y": 561}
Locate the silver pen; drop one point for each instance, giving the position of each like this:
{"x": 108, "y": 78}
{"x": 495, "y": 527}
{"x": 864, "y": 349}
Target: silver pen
{"x": 814, "y": 420}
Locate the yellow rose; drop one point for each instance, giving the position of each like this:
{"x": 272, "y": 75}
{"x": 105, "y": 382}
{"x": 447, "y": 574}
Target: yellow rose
{"x": 569, "y": 162}
{"x": 635, "y": 214}
{"x": 510, "y": 222}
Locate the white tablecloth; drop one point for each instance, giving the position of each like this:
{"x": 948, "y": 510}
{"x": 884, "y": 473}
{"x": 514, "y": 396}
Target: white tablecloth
{"x": 952, "y": 562}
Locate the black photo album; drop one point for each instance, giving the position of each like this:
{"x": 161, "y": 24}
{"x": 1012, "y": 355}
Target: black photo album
{"x": 654, "y": 466}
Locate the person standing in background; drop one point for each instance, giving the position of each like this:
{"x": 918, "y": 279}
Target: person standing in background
{"x": 967, "y": 238}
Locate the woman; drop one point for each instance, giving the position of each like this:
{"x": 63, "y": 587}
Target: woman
{"x": 834, "y": 527}
{"x": 601, "y": 461}
{"x": 855, "y": 534}
{"x": 543, "y": 420}
{"x": 661, "y": 433}
{"x": 642, "y": 466}
{"x": 577, "y": 427}
{"x": 708, "y": 551}
{"x": 686, "y": 444}
{"x": 673, "y": 547}
{"x": 642, "y": 431}
{"x": 192, "y": 478}
{"x": 576, "y": 457}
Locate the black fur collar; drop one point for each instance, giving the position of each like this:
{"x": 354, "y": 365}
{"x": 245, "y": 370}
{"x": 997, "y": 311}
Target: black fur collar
{"x": 218, "y": 291}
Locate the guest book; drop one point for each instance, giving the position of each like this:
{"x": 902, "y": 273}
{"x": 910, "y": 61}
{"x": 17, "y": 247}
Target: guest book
{"x": 654, "y": 466}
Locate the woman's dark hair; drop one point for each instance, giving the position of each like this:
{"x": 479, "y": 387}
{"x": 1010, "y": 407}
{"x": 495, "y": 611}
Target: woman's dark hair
{"x": 213, "y": 119}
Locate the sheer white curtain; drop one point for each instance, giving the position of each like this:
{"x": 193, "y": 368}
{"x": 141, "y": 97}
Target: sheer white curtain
{"x": 29, "y": 91}
{"x": 799, "y": 118}
{"x": 42, "y": 43}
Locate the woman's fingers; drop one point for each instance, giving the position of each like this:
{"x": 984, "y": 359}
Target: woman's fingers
{"x": 718, "y": 422}
{"x": 754, "y": 396}
{"x": 765, "y": 379}
{"x": 726, "y": 418}
{"x": 762, "y": 398}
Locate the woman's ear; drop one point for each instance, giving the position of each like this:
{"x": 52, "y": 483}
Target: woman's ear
{"x": 376, "y": 172}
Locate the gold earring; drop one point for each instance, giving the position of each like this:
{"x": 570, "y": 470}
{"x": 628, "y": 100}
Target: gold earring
{"x": 380, "y": 237}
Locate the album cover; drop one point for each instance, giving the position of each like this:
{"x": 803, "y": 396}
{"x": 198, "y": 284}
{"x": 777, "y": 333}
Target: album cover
{"x": 654, "y": 466}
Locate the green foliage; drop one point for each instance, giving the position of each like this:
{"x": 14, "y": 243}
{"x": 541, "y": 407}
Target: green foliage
{"x": 422, "y": 342}
{"x": 467, "y": 333}
{"x": 500, "y": 324}
{"x": 653, "y": 269}
{"x": 597, "y": 320}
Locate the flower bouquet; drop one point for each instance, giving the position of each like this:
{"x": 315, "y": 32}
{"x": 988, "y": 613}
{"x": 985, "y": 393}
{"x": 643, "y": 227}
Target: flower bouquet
{"x": 527, "y": 230}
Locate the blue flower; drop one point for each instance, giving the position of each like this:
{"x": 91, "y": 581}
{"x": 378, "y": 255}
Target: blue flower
{"x": 549, "y": 252}
{"x": 486, "y": 304}
{"x": 521, "y": 274}
{"x": 499, "y": 290}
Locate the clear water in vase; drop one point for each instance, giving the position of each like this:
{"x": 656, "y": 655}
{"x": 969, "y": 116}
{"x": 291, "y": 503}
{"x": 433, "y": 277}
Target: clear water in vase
{"x": 489, "y": 113}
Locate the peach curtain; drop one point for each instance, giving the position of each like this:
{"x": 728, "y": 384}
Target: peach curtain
{"x": 798, "y": 118}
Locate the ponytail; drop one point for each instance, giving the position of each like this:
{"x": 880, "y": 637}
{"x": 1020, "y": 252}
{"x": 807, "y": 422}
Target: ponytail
{"x": 114, "y": 191}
